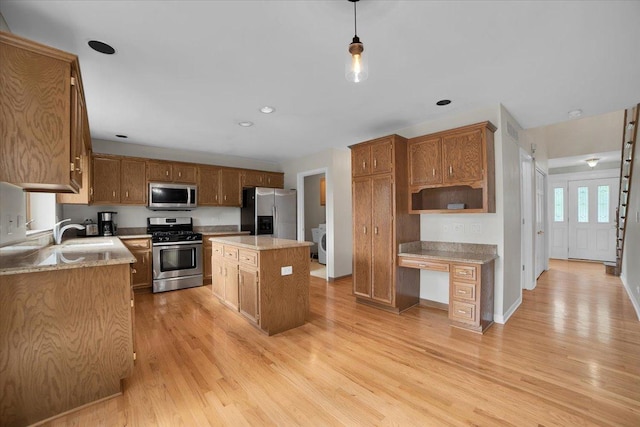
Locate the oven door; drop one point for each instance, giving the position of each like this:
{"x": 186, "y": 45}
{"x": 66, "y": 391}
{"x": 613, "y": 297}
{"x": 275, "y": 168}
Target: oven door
{"x": 176, "y": 259}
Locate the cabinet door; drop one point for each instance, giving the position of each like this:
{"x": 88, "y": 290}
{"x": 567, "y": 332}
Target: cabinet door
{"x": 249, "y": 293}
{"x": 142, "y": 267}
{"x": 159, "y": 171}
{"x": 382, "y": 157}
{"x": 106, "y": 180}
{"x": 362, "y": 237}
{"x": 274, "y": 180}
{"x": 184, "y": 173}
{"x": 208, "y": 186}
{"x": 77, "y": 130}
{"x": 425, "y": 162}
{"x": 133, "y": 182}
{"x": 382, "y": 239}
{"x": 217, "y": 276}
{"x": 230, "y": 194}
{"x": 85, "y": 194}
{"x": 462, "y": 157}
{"x": 361, "y": 160}
{"x": 231, "y": 284}
{"x": 253, "y": 179}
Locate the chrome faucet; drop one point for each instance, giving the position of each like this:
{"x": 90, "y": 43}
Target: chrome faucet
{"x": 58, "y": 232}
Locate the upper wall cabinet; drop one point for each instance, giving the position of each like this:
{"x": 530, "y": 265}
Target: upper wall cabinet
{"x": 118, "y": 180}
{"x": 45, "y": 129}
{"x": 171, "y": 172}
{"x": 453, "y": 171}
{"x": 370, "y": 159}
{"x": 254, "y": 178}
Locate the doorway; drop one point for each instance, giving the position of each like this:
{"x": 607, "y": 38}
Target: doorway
{"x": 592, "y": 233}
{"x": 527, "y": 280}
{"x": 313, "y": 218}
{"x": 541, "y": 259}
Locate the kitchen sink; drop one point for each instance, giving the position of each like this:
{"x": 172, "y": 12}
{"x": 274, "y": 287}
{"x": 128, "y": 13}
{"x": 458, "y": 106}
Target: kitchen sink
{"x": 81, "y": 243}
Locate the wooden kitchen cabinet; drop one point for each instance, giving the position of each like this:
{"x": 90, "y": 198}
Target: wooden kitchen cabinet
{"x": 217, "y": 270}
{"x": 208, "y": 186}
{"x": 471, "y": 296}
{"x": 380, "y": 223}
{"x": 106, "y": 178}
{"x": 255, "y": 178}
{"x": 118, "y": 180}
{"x": 230, "y": 190}
{"x": 162, "y": 171}
{"x": 456, "y": 166}
{"x": 85, "y": 194}
{"x": 248, "y": 284}
{"x": 142, "y": 274}
{"x": 231, "y": 296}
{"x": 46, "y": 128}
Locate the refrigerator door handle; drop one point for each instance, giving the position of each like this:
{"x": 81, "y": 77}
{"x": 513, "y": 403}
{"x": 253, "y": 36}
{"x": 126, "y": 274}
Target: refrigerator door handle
{"x": 275, "y": 221}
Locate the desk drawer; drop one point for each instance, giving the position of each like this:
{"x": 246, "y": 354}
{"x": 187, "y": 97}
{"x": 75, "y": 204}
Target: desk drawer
{"x": 466, "y": 272}
{"x": 464, "y": 291}
{"x": 248, "y": 257}
{"x": 422, "y": 264}
{"x": 462, "y": 312}
{"x": 231, "y": 253}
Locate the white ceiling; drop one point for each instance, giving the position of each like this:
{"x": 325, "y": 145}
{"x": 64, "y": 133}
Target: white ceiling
{"x": 186, "y": 72}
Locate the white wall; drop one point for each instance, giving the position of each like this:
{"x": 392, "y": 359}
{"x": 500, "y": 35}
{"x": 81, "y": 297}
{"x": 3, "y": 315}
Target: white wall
{"x": 136, "y": 216}
{"x": 630, "y": 266}
{"x": 338, "y": 207}
{"x": 12, "y": 214}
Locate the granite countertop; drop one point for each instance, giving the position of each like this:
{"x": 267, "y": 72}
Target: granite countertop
{"x": 470, "y": 253}
{"x": 225, "y": 233}
{"x": 260, "y": 243}
{"x": 72, "y": 253}
{"x": 133, "y": 236}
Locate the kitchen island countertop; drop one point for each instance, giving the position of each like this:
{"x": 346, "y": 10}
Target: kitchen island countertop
{"x": 259, "y": 243}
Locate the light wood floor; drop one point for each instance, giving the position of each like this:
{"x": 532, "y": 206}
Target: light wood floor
{"x": 569, "y": 356}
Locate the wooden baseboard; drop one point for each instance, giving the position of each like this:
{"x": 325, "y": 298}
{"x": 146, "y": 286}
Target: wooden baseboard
{"x": 333, "y": 279}
{"x": 434, "y": 304}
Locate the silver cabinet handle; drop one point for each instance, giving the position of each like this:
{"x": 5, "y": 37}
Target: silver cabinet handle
{"x": 433, "y": 172}
{"x": 450, "y": 170}
{"x": 364, "y": 230}
{"x": 375, "y": 163}
{"x": 376, "y": 230}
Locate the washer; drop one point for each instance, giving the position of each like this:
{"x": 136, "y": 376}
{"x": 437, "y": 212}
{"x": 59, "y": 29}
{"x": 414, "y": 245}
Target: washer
{"x": 322, "y": 244}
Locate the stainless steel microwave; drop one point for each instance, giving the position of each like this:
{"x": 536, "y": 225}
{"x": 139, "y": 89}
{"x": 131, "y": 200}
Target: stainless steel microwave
{"x": 172, "y": 197}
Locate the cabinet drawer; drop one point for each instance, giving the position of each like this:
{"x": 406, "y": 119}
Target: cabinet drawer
{"x": 217, "y": 249}
{"x": 137, "y": 243}
{"x": 422, "y": 264}
{"x": 248, "y": 257}
{"x": 467, "y": 272}
{"x": 462, "y": 312}
{"x": 464, "y": 291}
{"x": 231, "y": 253}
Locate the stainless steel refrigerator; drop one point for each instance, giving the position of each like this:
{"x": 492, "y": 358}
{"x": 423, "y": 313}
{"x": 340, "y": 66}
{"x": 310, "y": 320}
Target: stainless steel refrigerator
{"x": 269, "y": 211}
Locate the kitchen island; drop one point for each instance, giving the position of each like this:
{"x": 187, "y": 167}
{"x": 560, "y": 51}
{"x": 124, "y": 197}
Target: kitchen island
{"x": 66, "y": 332}
{"x": 264, "y": 279}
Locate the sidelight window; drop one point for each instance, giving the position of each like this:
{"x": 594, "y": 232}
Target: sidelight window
{"x": 603, "y": 203}
{"x": 558, "y": 204}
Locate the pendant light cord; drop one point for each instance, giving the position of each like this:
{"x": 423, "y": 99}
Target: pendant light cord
{"x": 355, "y": 19}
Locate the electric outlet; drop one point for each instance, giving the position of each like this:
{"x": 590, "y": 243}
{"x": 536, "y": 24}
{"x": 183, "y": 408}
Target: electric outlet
{"x": 286, "y": 271}
{"x": 445, "y": 228}
{"x": 458, "y": 228}
{"x": 637, "y": 216}
{"x": 475, "y": 228}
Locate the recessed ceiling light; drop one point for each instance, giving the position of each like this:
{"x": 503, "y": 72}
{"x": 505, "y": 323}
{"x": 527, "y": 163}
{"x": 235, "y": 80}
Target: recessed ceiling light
{"x": 443, "y": 102}
{"x": 575, "y": 113}
{"x": 245, "y": 124}
{"x": 122, "y": 136}
{"x": 267, "y": 109}
{"x": 101, "y": 47}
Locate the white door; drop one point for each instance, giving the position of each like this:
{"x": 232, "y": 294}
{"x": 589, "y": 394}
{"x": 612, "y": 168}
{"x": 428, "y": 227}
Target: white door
{"x": 541, "y": 240}
{"x": 592, "y": 233}
{"x": 527, "y": 280}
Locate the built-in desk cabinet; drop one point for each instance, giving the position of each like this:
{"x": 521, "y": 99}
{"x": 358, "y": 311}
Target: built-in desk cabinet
{"x": 453, "y": 167}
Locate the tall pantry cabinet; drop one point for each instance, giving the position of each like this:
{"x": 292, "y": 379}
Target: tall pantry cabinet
{"x": 381, "y": 222}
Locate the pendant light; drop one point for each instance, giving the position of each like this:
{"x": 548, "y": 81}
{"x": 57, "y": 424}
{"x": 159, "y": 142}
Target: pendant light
{"x": 357, "y": 69}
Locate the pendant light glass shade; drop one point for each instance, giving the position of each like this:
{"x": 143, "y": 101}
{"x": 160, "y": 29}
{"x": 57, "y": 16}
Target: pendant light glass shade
{"x": 356, "y": 67}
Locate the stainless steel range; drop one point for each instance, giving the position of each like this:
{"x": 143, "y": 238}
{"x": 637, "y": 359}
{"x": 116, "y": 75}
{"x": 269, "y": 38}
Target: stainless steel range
{"x": 177, "y": 254}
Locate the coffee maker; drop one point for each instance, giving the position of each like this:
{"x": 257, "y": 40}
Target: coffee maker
{"x": 106, "y": 223}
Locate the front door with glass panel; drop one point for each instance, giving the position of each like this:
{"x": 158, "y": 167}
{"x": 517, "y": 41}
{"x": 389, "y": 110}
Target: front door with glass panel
{"x": 592, "y": 232}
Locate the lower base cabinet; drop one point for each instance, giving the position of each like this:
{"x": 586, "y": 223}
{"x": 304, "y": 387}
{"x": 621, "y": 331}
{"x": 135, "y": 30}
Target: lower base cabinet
{"x": 141, "y": 269}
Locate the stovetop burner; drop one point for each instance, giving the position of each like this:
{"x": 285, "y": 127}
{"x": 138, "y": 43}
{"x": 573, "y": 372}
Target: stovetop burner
{"x": 172, "y": 230}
